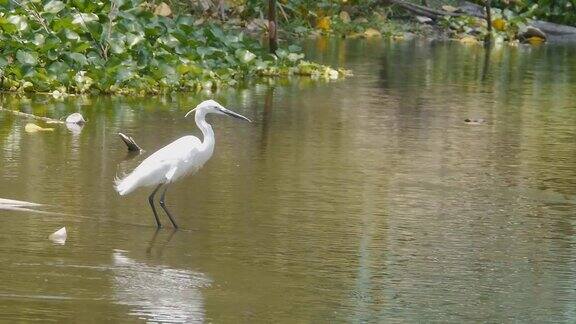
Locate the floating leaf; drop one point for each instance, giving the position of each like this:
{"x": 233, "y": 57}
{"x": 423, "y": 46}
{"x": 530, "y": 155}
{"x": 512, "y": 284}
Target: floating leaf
{"x": 33, "y": 128}
{"x": 59, "y": 237}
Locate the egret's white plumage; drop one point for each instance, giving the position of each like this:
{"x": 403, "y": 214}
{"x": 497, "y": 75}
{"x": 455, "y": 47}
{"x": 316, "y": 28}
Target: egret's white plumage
{"x": 184, "y": 156}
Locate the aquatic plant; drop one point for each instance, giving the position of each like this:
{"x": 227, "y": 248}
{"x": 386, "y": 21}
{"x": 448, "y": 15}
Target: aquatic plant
{"x": 128, "y": 47}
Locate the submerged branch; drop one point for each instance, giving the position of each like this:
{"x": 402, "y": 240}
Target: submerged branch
{"x": 130, "y": 143}
{"x": 46, "y": 119}
{"x": 422, "y": 10}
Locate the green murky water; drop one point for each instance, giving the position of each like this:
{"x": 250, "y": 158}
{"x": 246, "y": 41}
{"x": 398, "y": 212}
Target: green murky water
{"x": 366, "y": 200}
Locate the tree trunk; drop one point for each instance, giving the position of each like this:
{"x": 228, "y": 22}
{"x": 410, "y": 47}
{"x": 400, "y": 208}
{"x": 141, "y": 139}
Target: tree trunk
{"x": 272, "y": 26}
{"x": 488, "y": 38}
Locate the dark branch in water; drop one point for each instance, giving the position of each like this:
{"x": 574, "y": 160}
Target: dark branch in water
{"x": 130, "y": 143}
{"x": 421, "y": 10}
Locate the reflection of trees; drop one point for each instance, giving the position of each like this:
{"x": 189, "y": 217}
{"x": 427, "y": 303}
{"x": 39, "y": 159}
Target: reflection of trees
{"x": 158, "y": 293}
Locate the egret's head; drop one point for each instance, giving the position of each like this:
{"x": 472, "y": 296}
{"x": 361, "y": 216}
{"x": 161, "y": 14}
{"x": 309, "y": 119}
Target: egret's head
{"x": 211, "y": 106}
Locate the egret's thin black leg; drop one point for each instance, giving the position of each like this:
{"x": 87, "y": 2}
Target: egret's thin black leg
{"x": 163, "y": 205}
{"x": 151, "y": 201}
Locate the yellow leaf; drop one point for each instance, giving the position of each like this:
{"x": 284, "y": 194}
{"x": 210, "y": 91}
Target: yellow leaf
{"x": 468, "y": 40}
{"x": 323, "y": 23}
{"x": 163, "y": 10}
{"x": 535, "y": 40}
{"x": 354, "y": 35}
{"x": 499, "y": 24}
{"x": 449, "y": 8}
{"x": 33, "y": 128}
{"x": 371, "y": 32}
{"x": 345, "y": 17}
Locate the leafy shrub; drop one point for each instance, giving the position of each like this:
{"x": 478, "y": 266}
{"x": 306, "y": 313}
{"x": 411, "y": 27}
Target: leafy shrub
{"x": 121, "y": 46}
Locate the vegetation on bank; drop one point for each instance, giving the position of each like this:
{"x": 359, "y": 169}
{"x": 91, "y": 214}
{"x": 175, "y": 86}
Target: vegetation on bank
{"x": 130, "y": 47}
{"x": 557, "y": 11}
{"x": 139, "y": 47}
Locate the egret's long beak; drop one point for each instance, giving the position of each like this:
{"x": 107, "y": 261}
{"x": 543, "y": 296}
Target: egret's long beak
{"x": 188, "y": 113}
{"x": 233, "y": 114}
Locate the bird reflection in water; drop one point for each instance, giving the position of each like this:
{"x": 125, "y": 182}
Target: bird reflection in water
{"x": 157, "y": 293}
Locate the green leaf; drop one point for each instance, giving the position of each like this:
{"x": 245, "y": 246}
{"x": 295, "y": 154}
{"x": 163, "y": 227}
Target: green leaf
{"x": 7, "y": 26}
{"x": 203, "y": 51}
{"x": 54, "y": 6}
{"x": 38, "y": 40}
{"x": 18, "y": 21}
{"x": 295, "y": 48}
{"x": 132, "y": 39}
{"x": 117, "y": 46}
{"x": 281, "y": 53}
{"x": 30, "y": 58}
{"x": 62, "y": 23}
{"x": 78, "y": 58}
{"x": 71, "y": 35}
{"x": 58, "y": 68}
{"x": 81, "y": 47}
{"x": 83, "y": 18}
{"x": 293, "y": 57}
{"x": 53, "y": 54}
{"x": 169, "y": 41}
{"x": 245, "y": 56}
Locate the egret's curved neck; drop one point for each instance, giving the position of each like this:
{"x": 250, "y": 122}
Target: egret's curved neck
{"x": 208, "y": 141}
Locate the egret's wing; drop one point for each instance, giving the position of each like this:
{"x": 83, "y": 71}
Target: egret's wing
{"x": 170, "y": 174}
{"x": 180, "y": 150}
{"x": 173, "y": 158}
{"x": 168, "y": 163}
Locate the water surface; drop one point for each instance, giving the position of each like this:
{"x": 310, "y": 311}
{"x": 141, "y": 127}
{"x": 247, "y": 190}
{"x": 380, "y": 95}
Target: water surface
{"x": 364, "y": 200}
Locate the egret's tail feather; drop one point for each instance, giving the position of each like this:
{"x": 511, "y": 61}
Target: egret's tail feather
{"x": 126, "y": 185}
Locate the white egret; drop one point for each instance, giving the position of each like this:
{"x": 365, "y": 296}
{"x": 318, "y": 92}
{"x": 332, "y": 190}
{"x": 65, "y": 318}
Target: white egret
{"x": 184, "y": 156}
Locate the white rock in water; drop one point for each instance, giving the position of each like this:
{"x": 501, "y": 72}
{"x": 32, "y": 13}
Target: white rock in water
{"x": 75, "y": 118}
{"x": 59, "y": 236}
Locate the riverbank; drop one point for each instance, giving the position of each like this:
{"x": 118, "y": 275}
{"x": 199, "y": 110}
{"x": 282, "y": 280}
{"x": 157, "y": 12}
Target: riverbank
{"x": 138, "y": 48}
{"x": 133, "y": 48}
